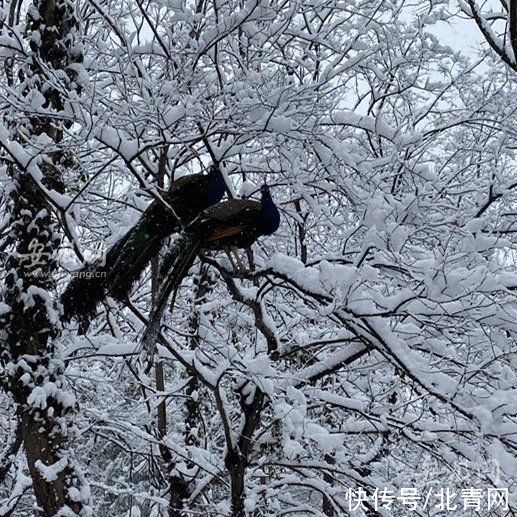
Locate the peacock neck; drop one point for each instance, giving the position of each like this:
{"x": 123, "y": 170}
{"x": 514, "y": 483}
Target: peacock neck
{"x": 271, "y": 213}
{"x": 216, "y": 186}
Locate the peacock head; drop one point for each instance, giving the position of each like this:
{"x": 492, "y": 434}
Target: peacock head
{"x": 270, "y": 210}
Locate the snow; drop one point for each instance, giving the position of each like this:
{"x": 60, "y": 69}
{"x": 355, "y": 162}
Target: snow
{"x": 375, "y": 125}
{"x": 51, "y": 472}
{"x": 280, "y": 124}
{"x": 344, "y": 402}
{"x": 37, "y": 100}
{"x": 247, "y": 189}
{"x": 9, "y": 46}
{"x": 173, "y": 115}
{"x": 21, "y": 484}
{"x": 101, "y": 346}
{"x": 40, "y": 394}
{"x": 36, "y": 295}
{"x": 82, "y": 76}
{"x": 38, "y": 398}
{"x": 118, "y": 141}
{"x": 391, "y": 158}
{"x": 4, "y": 309}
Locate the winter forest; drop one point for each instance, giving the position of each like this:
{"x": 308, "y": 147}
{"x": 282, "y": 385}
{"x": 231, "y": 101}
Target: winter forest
{"x": 258, "y": 258}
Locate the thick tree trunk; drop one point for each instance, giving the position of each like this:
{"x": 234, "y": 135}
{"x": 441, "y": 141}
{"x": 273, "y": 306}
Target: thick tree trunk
{"x": 236, "y": 460}
{"x": 41, "y": 448}
{"x": 236, "y": 465}
{"x": 237, "y": 480}
{"x": 34, "y": 375}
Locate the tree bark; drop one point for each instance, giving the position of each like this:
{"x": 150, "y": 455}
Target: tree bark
{"x": 34, "y": 375}
{"x": 237, "y": 459}
{"x": 236, "y": 465}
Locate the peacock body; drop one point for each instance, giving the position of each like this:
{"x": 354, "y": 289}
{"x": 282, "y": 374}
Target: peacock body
{"x": 236, "y": 223}
{"x": 128, "y": 257}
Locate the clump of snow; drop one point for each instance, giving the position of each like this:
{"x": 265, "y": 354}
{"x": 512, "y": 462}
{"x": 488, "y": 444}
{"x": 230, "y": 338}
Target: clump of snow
{"x": 51, "y": 472}
{"x": 37, "y": 398}
{"x": 172, "y": 115}
{"x": 280, "y": 124}
{"x": 247, "y": 189}
{"x": 40, "y": 394}
{"x": 4, "y": 308}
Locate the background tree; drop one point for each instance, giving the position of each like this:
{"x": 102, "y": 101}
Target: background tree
{"x": 370, "y": 343}
{"x": 34, "y": 155}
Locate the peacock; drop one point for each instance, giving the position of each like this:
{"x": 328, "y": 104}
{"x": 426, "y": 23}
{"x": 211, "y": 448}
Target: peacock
{"x": 185, "y": 199}
{"x": 236, "y": 223}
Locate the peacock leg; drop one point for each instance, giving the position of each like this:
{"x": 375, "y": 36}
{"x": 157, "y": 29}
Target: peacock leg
{"x": 240, "y": 265}
{"x": 230, "y": 258}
